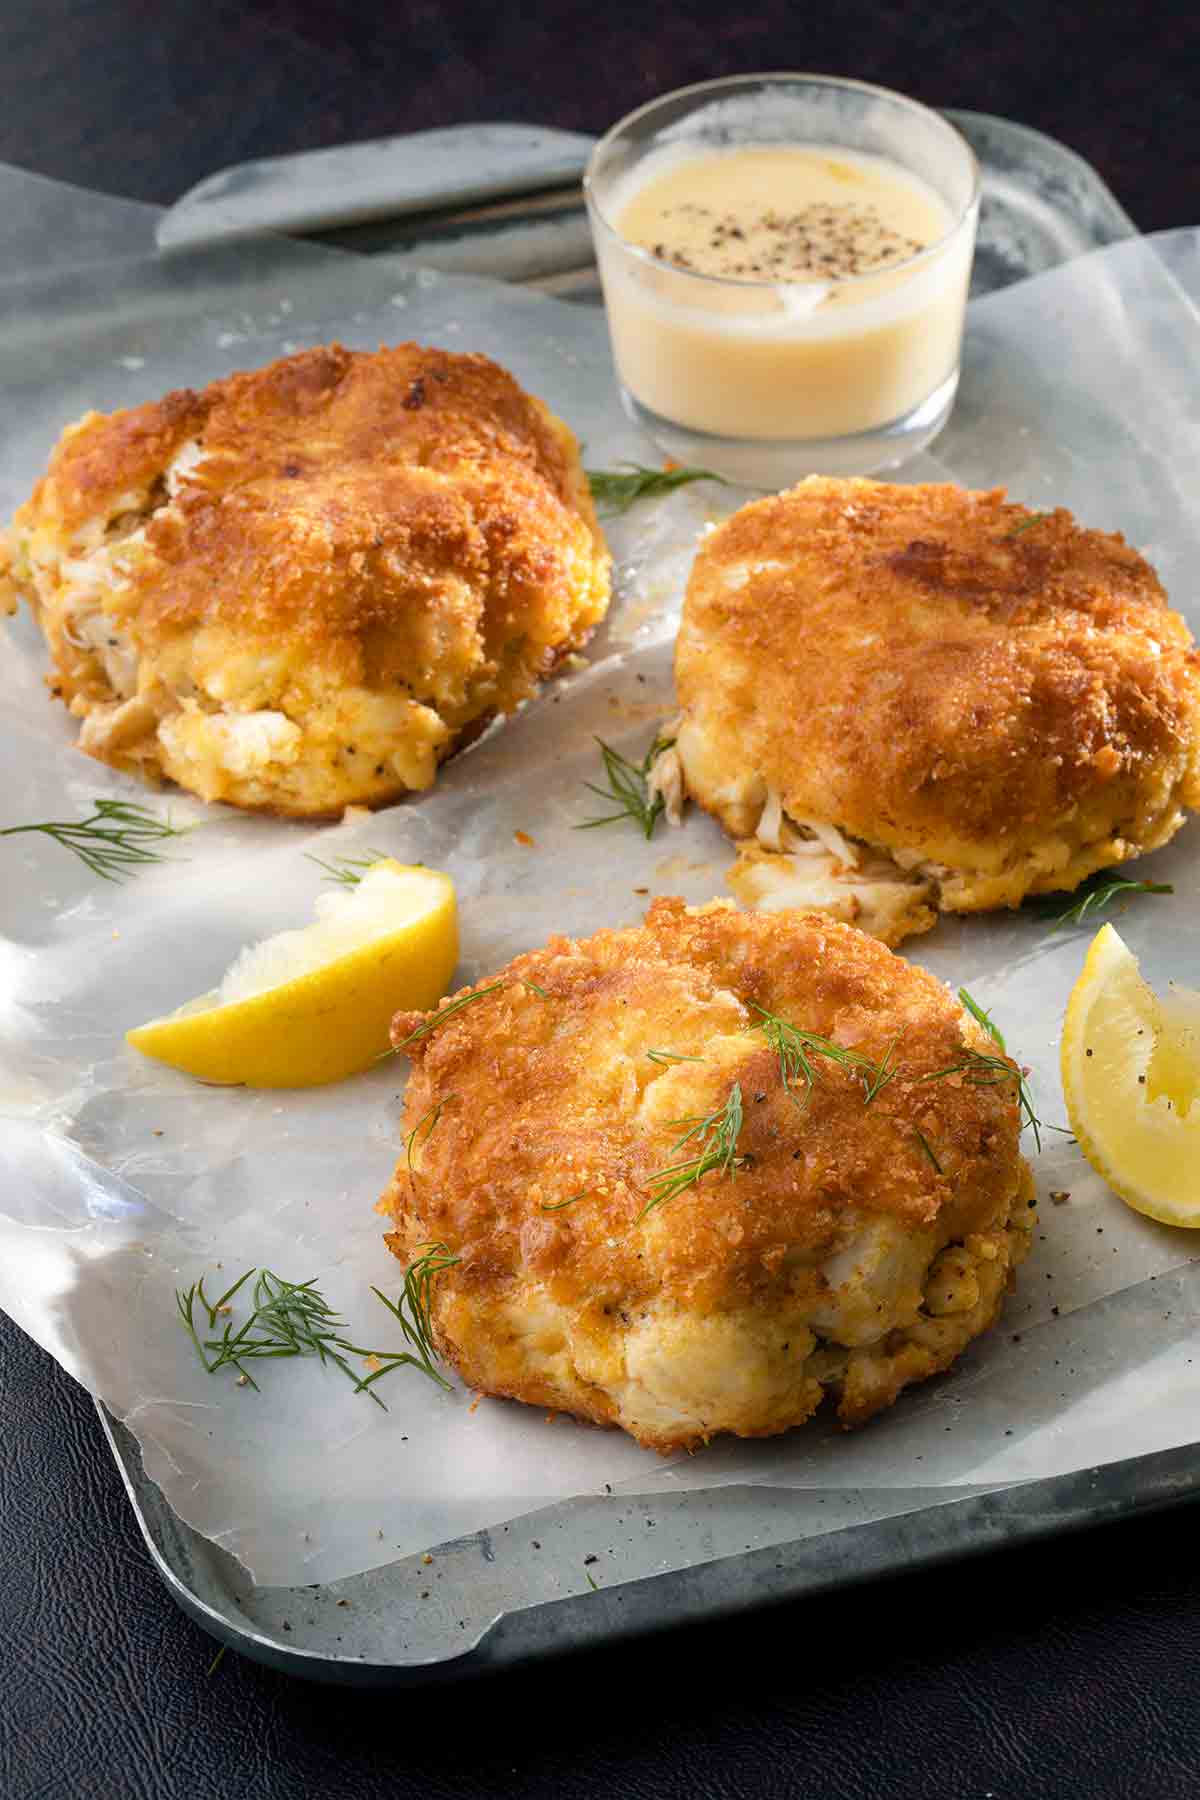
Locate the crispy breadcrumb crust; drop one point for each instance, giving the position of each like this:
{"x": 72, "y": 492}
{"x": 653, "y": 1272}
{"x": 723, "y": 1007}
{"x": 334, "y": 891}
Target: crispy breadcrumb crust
{"x": 305, "y": 586}
{"x": 1000, "y": 700}
{"x": 838, "y": 1257}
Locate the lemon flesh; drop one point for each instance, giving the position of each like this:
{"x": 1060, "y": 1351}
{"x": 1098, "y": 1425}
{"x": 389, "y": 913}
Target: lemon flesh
{"x": 1131, "y": 1077}
{"x": 306, "y": 1007}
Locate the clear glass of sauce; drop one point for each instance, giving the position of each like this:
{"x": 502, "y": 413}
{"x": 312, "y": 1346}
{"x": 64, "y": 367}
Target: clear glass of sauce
{"x": 785, "y": 261}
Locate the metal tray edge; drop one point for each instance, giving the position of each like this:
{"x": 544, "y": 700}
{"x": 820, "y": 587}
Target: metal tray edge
{"x": 853, "y": 1555}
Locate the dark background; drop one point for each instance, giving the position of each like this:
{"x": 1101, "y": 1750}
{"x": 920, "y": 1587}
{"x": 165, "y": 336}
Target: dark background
{"x": 1068, "y": 1669}
{"x": 143, "y": 97}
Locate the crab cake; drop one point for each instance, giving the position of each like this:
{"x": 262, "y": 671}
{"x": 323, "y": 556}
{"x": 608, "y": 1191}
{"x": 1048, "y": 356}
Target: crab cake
{"x": 901, "y": 700}
{"x": 304, "y": 587}
{"x": 690, "y": 1177}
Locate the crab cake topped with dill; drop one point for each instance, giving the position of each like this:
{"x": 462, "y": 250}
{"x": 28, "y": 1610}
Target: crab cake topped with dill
{"x": 905, "y": 700}
{"x": 302, "y": 588}
{"x": 692, "y": 1177}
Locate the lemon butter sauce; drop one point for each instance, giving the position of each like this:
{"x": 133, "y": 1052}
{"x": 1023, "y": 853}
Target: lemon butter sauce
{"x": 782, "y": 291}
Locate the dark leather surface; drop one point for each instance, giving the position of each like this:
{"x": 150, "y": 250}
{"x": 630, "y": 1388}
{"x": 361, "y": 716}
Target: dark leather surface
{"x": 1069, "y": 1669}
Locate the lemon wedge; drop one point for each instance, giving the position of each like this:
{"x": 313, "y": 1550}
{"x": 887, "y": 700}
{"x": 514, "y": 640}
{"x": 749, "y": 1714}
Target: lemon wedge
{"x": 310, "y": 1006}
{"x": 1131, "y": 1076}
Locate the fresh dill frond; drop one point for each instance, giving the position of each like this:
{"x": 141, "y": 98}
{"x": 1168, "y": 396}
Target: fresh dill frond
{"x": 293, "y": 1318}
{"x": 1026, "y": 524}
{"x": 993, "y": 1071}
{"x": 927, "y": 1147}
{"x": 882, "y": 1073}
{"x": 982, "y": 1018}
{"x": 539, "y": 991}
{"x": 412, "y": 1312}
{"x": 215, "y": 1664}
{"x": 114, "y": 840}
{"x": 796, "y": 1047}
{"x": 447, "y": 1012}
{"x": 186, "y": 1299}
{"x": 670, "y": 1056}
{"x": 628, "y": 789}
{"x": 718, "y": 1134}
{"x": 620, "y": 488}
{"x": 592, "y": 1582}
{"x": 427, "y": 1123}
{"x": 559, "y": 1205}
{"x": 343, "y": 868}
{"x": 1100, "y": 895}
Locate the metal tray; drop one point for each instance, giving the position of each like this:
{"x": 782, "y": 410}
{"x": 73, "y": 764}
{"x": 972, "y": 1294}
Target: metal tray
{"x": 523, "y": 1591}
{"x": 598, "y": 1569}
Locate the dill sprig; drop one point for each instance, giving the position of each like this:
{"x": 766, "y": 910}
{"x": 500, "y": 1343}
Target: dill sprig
{"x": 982, "y": 1018}
{"x": 927, "y": 1147}
{"x": 114, "y": 841}
{"x": 427, "y": 1123}
{"x": 1026, "y": 524}
{"x": 412, "y": 1311}
{"x": 629, "y": 789}
{"x": 671, "y": 1056}
{"x": 983, "y": 1070}
{"x": 993, "y": 1071}
{"x": 560, "y": 1205}
{"x": 882, "y": 1073}
{"x": 1099, "y": 896}
{"x": 456, "y": 1006}
{"x": 293, "y": 1318}
{"x": 343, "y": 868}
{"x": 796, "y": 1047}
{"x": 447, "y": 1012}
{"x": 718, "y": 1134}
{"x": 618, "y": 489}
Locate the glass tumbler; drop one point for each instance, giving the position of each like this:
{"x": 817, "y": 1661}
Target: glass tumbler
{"x": 767, "y": 380}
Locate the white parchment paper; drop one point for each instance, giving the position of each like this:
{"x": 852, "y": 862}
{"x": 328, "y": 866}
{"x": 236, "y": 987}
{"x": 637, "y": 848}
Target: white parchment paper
{"x": 120, "y": 1180}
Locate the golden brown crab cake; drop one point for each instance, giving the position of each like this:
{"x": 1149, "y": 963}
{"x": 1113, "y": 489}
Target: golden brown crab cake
{"x": 850, "y": 1237}
{"x": 908, "y": 699}
{"x": 305, "y": 586}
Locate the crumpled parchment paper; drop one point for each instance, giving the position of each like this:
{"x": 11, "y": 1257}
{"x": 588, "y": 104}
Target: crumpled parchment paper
{"x": 120, "y": 1180}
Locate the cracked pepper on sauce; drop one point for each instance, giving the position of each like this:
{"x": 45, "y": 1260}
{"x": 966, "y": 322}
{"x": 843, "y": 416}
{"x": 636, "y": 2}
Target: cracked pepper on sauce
{"x": 819, "y": 324}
